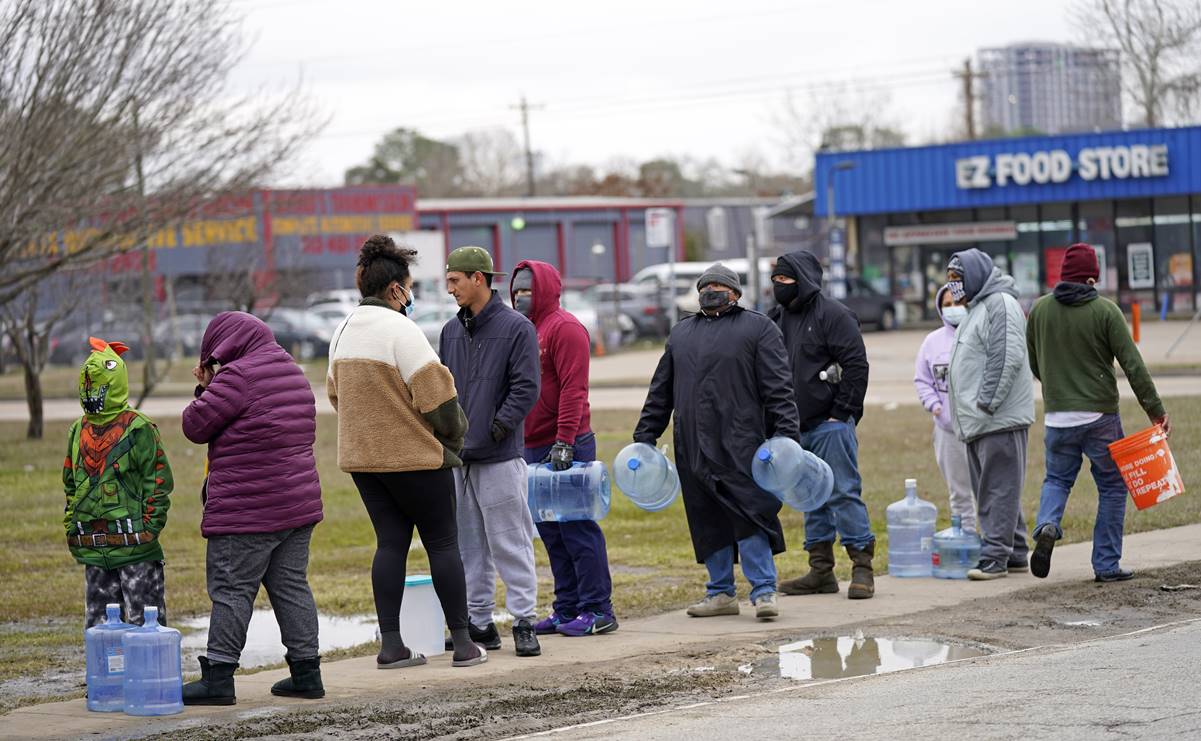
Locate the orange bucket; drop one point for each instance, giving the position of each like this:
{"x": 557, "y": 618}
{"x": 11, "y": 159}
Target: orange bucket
{"x": 1147, "y": 467}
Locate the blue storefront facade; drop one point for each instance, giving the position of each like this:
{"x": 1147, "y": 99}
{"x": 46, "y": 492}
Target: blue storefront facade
{"x": 1134, "y": 195}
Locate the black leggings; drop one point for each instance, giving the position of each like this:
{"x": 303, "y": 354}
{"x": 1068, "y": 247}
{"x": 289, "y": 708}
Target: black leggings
{"x": 396, "y": 503}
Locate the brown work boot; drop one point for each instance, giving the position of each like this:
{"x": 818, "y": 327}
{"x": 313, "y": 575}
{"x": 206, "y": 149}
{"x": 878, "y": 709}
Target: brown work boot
{"x": 863, "y": 585}
{"x": 820, "y": 579}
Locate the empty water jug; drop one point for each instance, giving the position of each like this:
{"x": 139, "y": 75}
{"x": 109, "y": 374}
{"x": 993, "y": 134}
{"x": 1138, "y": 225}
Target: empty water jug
{"x": 955, "y": 550}
{"x": 153, "y": 675}
{"x": 106, "y": 662}
{"x": 577, "y": 493}
{"x": 911, "y": 534}
{"x": 795, "y": 476}
{"x": 646, "y": 476}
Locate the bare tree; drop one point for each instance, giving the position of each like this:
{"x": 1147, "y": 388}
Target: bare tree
{"x": 493, "y": 163}
{"x": 1160, "y": 43}
{"x": 833, "y": 119}
{"x": 118, "y": 122}
{"x": 88, "y": 87}
{"x": 29, "y": 330}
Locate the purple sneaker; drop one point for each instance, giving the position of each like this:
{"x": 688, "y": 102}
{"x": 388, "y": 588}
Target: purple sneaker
{"x": 589, "y": 623}
{"x": 549, "y": 625}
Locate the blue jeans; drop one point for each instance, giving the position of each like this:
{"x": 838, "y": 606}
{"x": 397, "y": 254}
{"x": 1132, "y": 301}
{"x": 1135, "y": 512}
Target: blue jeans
{"x": 1066, "y": 447}
{"x": 845, "y": 514}
{"x": 579, "y": 559}
{"x": 758, "y": 567}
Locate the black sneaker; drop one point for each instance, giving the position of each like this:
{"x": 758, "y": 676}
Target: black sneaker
{"x": 524, "y": 640}
{"x": 1018, "y": 565}
{"x": 486, "y": 637}
{"x": 1040, "y": 561}
{"x": 1119, "y": 575}
{"x": 986, "y": 570}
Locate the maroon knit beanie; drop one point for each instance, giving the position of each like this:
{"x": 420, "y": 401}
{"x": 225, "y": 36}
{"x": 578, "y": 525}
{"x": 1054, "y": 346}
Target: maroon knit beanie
{"x": 1080, "y": 264}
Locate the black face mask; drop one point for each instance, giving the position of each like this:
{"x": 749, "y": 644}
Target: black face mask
{"x": 524, "y": 304}
{"x": 785, "y": 293}
{"x": 713, "y": 300}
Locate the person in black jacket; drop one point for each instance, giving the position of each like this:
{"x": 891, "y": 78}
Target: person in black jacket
{"x": 821, "y": 332}
{"x": 725, "y": 375}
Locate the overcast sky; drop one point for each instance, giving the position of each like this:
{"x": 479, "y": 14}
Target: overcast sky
{"x": 620, "y": 79}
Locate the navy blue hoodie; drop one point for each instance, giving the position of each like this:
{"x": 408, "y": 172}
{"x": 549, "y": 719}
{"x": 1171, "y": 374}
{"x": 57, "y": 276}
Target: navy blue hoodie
{"x": 495, "y": 366}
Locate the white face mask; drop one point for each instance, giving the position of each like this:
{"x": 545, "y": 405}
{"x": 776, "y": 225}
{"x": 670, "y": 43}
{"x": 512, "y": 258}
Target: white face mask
{"x": 954, "y": 314}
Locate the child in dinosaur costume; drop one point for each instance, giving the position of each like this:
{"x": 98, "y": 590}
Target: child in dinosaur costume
{"x": 118, "y": 487}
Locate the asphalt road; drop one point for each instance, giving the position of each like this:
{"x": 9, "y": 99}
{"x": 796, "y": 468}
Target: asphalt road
{"x": 1142, "y": 685}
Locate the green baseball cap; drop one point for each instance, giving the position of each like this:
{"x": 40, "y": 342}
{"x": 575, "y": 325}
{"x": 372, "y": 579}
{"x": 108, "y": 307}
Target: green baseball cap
{"x": 471, "y": 260}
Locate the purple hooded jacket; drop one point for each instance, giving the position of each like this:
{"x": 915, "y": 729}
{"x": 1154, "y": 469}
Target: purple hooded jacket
{"x": 933, "y": 362}
{"x": 259, "y": 419}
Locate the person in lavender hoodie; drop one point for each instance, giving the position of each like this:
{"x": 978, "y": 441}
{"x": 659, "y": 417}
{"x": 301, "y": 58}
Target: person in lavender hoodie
{"x": 255, "y": 410}
{"x": 930, "y": 378}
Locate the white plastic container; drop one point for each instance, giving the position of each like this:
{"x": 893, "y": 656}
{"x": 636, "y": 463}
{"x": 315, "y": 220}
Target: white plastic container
{"x": 422, "y": 623}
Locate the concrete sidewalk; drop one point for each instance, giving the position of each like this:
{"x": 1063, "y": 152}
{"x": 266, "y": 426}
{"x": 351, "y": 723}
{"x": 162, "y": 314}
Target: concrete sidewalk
{"x": 357, "y": 679}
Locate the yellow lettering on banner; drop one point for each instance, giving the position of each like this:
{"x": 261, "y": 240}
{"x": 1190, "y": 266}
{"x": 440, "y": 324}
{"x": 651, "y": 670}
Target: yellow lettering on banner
{"x": 219, "y": 231}
{"x": 347, "y": 224}
{"x": 292, "y": 226}
{"x": 395, "y": 222}
{"x": 162, "y": 238}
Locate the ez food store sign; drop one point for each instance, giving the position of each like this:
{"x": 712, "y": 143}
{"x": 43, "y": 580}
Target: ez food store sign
{"x": 1058, "y": 166}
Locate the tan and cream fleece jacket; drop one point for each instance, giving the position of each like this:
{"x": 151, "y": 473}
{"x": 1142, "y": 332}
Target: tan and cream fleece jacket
{"x": 397, "y": 405}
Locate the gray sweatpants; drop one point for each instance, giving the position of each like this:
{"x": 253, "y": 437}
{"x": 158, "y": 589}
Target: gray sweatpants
{"x": 236, "y": 565}
{"x": 997, "y": 463}
{"x": 951, "y": 454}
{"x": 496, "y": 535}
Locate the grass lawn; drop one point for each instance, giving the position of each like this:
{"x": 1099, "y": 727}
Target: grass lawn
{"x": 650, "y": 553}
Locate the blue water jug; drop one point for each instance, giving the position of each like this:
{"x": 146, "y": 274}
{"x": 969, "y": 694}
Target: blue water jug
{"x": 646, "y": 476}
{"x": 795, "y": 476}
{"x": 106, "y": 662}
{"x": 911, "y": 534}
{"x": 955, "y": 550}
{"x": 153, "y": 675}
{"x": 578, "y": 493}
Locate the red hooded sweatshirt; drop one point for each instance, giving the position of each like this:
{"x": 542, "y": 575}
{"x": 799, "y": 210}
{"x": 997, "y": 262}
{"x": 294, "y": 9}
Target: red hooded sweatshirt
{"x": 561, "y": 413}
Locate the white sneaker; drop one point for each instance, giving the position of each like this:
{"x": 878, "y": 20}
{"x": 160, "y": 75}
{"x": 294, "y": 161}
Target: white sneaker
{"x": 766, "y": 607}
{"x": 713, "y": 605}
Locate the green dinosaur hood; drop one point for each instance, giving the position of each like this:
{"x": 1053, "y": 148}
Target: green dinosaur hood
{"x": 104, "y": 382}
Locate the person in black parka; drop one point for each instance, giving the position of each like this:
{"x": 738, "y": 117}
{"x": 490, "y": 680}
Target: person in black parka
{"x": 819, "y": 332}
{"x": 726, "y": 376}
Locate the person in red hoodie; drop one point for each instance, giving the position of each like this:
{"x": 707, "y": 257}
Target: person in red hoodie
{"x": 559, "y": 431}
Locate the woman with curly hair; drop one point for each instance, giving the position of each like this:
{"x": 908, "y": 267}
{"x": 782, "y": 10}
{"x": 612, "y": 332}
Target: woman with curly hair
{"x": 400, "y": 430}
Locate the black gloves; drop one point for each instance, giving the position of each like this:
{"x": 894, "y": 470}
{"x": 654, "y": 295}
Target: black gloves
{"x": 499, "y": 431}
{"x": 560, "y": 456}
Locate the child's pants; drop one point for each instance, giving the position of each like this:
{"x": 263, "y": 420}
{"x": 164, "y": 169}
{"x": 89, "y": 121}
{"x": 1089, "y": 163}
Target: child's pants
{"x": 133, "y": 587}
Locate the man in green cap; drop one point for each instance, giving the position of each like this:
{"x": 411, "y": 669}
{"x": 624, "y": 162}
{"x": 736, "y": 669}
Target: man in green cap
{"x": 118, "y": 486}
{"x": 492, "y": 352}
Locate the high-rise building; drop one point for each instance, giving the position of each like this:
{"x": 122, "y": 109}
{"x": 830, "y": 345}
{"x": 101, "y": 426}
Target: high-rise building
{"x": 1050, "y": 88}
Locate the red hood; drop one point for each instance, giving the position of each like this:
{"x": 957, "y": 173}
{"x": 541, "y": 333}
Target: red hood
{"x": 547, "y": 287}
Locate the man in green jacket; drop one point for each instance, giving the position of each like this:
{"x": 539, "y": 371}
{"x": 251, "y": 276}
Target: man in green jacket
{"x": 118, "y": 485}
{"x": 1073, "y": 337}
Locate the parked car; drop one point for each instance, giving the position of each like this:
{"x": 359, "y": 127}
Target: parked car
{"x": 342, "y": 296}
{"x": 870, "y": 305}
{"x": 431, "y": 311}
{"x": 183, "y": 333}
{"x": 300, "y": 332}
{"x": 640, "y": 303}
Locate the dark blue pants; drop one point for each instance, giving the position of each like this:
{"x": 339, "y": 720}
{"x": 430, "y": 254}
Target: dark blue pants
{"x": 579, "y": 560}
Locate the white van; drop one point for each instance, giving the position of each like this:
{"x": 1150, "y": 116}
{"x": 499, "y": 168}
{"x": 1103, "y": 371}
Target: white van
{"x": 688, "y": 273}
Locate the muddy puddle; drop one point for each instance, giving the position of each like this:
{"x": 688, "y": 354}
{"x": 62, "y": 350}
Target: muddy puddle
{"x": 263, "y": 645}
{"x": 859, "y": 655}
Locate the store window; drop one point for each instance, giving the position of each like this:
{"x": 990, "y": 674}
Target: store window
{"x": 1135, "y": 254}
{"x": 1095, "y": 226}
{"x": 873, "y": 254}
{"x": 1024, "y": 254}
{"x": 997, "y": 250}
{"x": 1173, "y": 254}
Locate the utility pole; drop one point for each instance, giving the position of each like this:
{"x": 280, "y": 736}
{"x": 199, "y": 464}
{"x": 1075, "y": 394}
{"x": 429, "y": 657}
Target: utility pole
{"x": 148, "y": 378}
{"x": 525, "y": 108}
{"x": 968, "y": 78}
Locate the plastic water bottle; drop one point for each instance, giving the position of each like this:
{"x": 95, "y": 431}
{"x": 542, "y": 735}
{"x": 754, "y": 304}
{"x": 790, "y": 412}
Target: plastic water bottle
{"x": 795, "y": 476}
{"x": 911, "y": 534}
{"x": 153, "y": 675}
{"x": 833, "y": 374}
{"x": 578, "y": 493}
{"x": 955, "y": 550}
{"x": 106, "y": 662}
{"x": 646, "y": 476}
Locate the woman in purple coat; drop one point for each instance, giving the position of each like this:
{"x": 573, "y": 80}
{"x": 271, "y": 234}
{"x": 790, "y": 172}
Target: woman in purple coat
{"x": 255, "y": 410}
